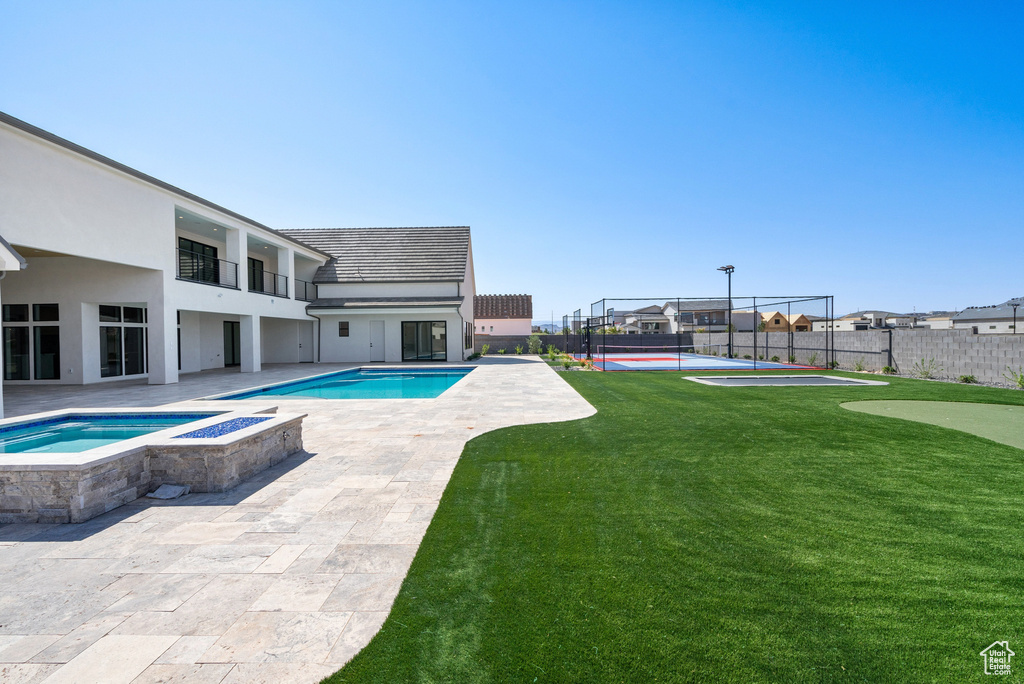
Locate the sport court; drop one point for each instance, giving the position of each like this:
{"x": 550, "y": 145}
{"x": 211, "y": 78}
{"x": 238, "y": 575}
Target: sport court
{"x": 619, "y": 359}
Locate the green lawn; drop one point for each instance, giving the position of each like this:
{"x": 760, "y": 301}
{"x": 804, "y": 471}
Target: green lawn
{"x": 696, "y": 533}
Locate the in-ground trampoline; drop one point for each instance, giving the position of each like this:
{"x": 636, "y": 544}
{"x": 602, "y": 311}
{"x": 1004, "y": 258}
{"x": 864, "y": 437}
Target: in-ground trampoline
{"x": 780, "y": 381}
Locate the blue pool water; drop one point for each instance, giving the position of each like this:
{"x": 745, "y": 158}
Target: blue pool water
{"x": 75, "y": 433}
{"x": 365, "y": 383}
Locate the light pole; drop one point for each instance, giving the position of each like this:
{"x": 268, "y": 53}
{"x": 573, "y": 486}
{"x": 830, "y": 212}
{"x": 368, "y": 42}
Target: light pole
{"x": 728, "y": 271}
{"x": 1015, "y": 305}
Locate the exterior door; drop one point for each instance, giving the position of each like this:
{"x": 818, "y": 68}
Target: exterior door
{"x": 232, "y": 343}
{"x": 305, "y": 343}
{"x": 376, "y": 340}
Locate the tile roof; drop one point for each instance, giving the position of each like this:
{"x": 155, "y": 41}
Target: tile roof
{"x": 375, "y": 255}
{"x": 503, "y": 306}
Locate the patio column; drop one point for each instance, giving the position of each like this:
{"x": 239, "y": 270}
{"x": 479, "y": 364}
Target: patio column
{"x": 238, "y": 251}
{"x": 285, "y": 267}
{"x": 163, "y": 342}
{"x": 249, "y": 330}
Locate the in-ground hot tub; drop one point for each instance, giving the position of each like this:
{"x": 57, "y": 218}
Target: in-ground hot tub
{"x": 72, "y": 465}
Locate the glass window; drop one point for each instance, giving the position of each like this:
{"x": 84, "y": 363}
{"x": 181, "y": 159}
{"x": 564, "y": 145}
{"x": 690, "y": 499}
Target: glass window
{"x": 133, "y": 314}
{"x": 110, "y": 351}
{"x": 342, "y": 328}
{"x": 45, "y": 312}
{"x": 424, "y": 341}
{"x": 197, "y": 261}
{"x": 110, "y": 314}
{"x": 16, "y": 359}
{"x": 255, "y": 275}
{"x": 134, "y": 351}
{"x": 15, "y": 313}
{"x": 47, "y": 348}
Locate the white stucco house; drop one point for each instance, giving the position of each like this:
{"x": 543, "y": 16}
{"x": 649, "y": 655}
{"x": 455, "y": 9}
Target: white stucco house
{"x": 111, "y": 273}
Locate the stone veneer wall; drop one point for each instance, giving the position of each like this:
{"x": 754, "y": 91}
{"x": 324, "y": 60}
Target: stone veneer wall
{"x": 221, "y": 467}
{"x": 59, "y": 495}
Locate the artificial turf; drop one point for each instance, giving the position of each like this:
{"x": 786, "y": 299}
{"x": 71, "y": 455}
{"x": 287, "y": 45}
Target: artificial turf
{"x": 998, "y": 422}
{"x": 695, "y": 533}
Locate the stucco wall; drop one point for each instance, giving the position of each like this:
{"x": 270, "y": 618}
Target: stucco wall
{"x": 356, "y": 347}
{"x": 503, "y": 326}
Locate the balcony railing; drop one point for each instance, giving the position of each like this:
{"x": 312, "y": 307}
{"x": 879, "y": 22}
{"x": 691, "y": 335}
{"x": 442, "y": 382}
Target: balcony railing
{"x": 268, "y": 283}
{"x": 208, "y": 270}
{"x": 305, "y": 292}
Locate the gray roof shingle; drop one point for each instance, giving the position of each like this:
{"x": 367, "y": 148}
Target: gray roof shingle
{"x": 375, "y": 255}
{"x": 982, "y": 313}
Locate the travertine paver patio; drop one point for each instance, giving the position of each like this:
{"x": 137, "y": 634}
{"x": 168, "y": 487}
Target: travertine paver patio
{"x": 282, "y": 579}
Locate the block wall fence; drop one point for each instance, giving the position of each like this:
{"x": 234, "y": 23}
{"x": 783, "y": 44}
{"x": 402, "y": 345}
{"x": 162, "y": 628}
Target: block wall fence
{"x": 955, "y": 352}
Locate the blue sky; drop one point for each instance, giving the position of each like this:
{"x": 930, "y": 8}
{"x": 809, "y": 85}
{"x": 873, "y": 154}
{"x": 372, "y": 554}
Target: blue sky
{"x": 874, "y": 151}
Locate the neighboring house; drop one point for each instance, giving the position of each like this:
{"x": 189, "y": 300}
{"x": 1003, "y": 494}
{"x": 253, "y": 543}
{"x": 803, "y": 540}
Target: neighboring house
{"x": 1005, "y": 318}
{"x": 393, "y": 294}
{"x": 776, "y": 321}
{"x": 865, "y": 320}
{"x": 645, "y": 320}
{"x": 708, "y": 315}
{"x": 503, "y": 314}
{"x": 129, "y": 277}
{"x": 943, "y": 321}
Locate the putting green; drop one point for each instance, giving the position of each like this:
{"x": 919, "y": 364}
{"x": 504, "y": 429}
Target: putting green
{"x": 998, "y": 422}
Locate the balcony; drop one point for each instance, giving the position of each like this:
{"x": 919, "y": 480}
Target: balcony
{"x": 265, "y": 282}
{"x": 304, "y": 291}
{"x": 208, "y": 270}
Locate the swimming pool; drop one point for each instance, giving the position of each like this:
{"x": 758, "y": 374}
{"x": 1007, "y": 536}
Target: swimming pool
{"x": 364, "y": 383}
{"x": 76, "y": 433}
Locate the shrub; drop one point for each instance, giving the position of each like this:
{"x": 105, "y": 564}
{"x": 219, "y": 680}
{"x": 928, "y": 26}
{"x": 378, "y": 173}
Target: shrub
{"x": 775, "y": 359}
{"x": 1016, "y": 377}
{"x": 484, "y": 349}
{"x": 535, "y": 344}
{"x": 812, "y": 360}
{"x": 747, "y": 356}
{"x": 501, "y": 351}
{"x": 859, "y": 365}
{"x": 552, "y": 350}
{"x": 473, "y": 357}
{"x": 833, "y": 364}
{"x": 760, "y": 357}
{"x": 567, "y": 363}
{"x": 519, "y": 349}
{"x": 967, "y": 379}
{"x": 889, "y": 370}
{"x": 926, "y": 369}
{"x": 792, "y": 359}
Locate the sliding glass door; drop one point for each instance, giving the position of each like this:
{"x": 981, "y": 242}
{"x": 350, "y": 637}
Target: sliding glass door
{"x": 424, "y": 341}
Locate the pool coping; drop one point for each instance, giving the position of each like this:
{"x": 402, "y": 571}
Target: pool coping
{"x": 168, "y": 437}
{"x": 227, "y": 396}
